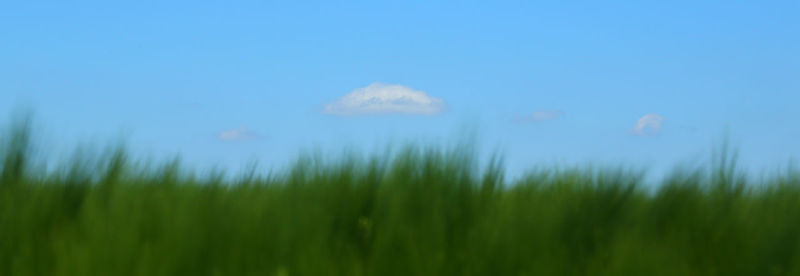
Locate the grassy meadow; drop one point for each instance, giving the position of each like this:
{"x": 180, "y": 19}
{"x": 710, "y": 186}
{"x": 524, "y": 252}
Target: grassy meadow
{"x": 415, "y": 210}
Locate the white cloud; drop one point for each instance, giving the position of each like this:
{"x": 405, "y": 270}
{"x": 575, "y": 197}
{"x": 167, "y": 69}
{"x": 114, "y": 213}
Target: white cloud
{"x": 649, "y": 124}
{"x": 238, "y": 135}
{"x": 379, "y": 98}
{"x": 540, "y": 115}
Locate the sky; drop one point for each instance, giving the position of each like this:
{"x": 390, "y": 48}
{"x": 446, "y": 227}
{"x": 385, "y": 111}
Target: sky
{"x": 644, "y": 83}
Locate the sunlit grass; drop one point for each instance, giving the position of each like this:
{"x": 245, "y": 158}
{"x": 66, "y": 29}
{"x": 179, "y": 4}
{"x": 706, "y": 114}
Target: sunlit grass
{"x": 414, "y": 211}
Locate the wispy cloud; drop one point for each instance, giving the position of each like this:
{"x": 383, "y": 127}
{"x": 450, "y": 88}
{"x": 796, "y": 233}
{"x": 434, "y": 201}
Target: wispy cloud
{"x": 379, "y": 98}
{"x": 539, "y": 116}
{"x": 649, "y": 124}
{"x": 238, "y": 135}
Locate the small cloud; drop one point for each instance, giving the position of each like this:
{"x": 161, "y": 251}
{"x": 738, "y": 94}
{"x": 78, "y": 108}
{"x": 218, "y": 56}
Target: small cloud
{"x": 379, "y": 98}
{"x": 649, "y": 124}
{"x": 238, "y": 135}
{"x": 540, "y": 116}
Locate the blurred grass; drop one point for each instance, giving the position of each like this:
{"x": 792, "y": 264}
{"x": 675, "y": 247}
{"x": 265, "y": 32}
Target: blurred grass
{"x": 415, "y": 211}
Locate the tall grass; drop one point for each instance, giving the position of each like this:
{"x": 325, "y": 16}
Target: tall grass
{"x": 414, "y": 211}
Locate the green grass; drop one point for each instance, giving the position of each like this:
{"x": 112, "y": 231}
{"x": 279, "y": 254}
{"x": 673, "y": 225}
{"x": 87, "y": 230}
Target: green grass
{"x": 414, "y": 211}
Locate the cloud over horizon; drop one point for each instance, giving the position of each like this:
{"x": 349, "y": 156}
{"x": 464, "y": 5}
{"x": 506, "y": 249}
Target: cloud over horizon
{"x": 649, "y": 124}
{"x": 238, "y": 135}
{"x": 540, "y": 116}
{"x": 380, "y": 98}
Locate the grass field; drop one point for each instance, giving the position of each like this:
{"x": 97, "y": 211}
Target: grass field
{"x": 412, "y": 211}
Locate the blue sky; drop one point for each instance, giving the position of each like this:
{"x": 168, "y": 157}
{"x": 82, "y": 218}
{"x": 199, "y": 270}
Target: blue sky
{"x": 544, "y": 82}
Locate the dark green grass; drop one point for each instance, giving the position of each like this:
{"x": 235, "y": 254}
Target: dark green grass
{"x": 414, "y": 211}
